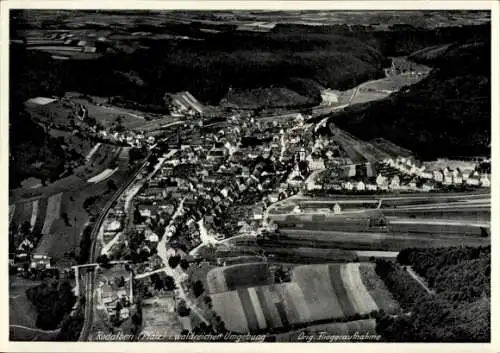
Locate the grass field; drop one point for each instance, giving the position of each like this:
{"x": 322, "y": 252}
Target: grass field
{"x": 336, "y": 329}
{"x": 107, "y": 115}
{"x": 158, "y": 314}
{"x": 316, "y": 293}
{"x": 376, "y": 287}
{"x": 390, "y": 147}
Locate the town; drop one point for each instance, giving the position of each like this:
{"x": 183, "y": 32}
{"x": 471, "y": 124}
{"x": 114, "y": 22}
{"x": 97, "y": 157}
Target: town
{"x": 231, "y": 212}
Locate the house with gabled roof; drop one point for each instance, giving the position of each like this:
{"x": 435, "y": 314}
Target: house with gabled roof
{"x": 485, "y": 181}
{"x": 360, "y": 186}
{"x": 395, "y": 182}
{"x": 438, "y": 176}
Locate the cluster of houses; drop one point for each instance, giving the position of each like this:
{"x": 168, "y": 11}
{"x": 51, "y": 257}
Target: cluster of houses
{"x": 445, "y": 176}
{"x": 402, "y": 174}
{"x": 116, "y": 298}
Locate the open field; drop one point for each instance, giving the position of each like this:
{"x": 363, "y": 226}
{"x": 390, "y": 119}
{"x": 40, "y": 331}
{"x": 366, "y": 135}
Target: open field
{"x": 61, "y": 238}
{"x": 232, "y": 277}
{"x": 357, "y": 150}
{"x": 53, "y": 212}
{"x": 372, "y": 240}
{"x": 107, "y": 116}
{"x": 390, "y": 147}
{"x": 336, "y": 329}
{"x": 106, "y": 155}
{"x": 316, "y": 293}
{"x": 376, "y": 287}
{"x": 243, "y": 259}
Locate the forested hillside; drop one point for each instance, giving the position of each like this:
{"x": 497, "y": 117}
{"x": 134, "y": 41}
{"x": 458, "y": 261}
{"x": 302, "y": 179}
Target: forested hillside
{"x": 446, "y": 114}
{"x": 458, "y": 311}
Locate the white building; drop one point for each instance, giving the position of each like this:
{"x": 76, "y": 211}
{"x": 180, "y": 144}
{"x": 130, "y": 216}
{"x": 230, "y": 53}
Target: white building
{"x": 438, "y": 176}
{"x": 395, "y": 182}
{"x": 485, "y": 181}
{"x": 347, "y": 185}
{"x": 329, "y": 97}
{"x": 360, "y": 186}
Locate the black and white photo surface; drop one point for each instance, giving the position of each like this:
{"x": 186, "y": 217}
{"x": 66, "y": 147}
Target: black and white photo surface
{"x": 250, "y": 176}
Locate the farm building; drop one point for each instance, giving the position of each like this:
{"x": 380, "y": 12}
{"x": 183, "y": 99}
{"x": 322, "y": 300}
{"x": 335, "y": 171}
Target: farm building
{"x": 329, "y": 97}
{"x": 40, "y": 262}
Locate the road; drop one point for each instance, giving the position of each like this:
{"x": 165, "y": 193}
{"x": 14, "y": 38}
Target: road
{"x": 90, "y": 277}
{"x": 177, "y": 274}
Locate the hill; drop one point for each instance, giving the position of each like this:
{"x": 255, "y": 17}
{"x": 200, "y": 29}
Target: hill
{"x": 446, "y": 114}
{"x": 459, "y": 308}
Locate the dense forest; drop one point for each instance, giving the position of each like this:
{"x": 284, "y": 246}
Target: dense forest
{"x": 458, "y": 311}
{"x": 445, "y": 115}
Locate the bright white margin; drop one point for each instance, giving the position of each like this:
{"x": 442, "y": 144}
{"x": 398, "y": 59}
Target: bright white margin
{"x": 5, "y": 5}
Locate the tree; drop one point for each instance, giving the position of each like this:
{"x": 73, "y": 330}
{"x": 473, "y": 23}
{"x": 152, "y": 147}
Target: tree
{"x": 26, "y": 227}
{"x": 182, "y": 309}
{"x": 103, "y": 261}
{"x": 111, "y": 185}
{"x": 198, "y": 288}
{"x": 137, "y": 216}
{"x": 184, "y": 264}
{"x": 174, "y": 261}
{"x": 169, "y": 283}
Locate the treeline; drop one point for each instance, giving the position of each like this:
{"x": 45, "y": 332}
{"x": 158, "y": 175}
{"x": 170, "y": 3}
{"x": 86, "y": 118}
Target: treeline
{"x": 52, "y": 301}
{"x": 457, "y": 312}
{"x": 446, "y": 114}
{"x": 85, "y": 245}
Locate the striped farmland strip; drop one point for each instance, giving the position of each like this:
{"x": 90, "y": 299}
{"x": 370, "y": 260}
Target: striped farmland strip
{"x": 271, "y": 313}
{"x": 340, "y": 290}
{"x": 42, "y": 209}
{"x": 282, "y": 312}
{"x": 360, "y": 298}
{"x": 27, "y": 211}
{"x": 314, "y": 280}
{"x": 228, "y": 305}
{"x": 264, "y": 306}
{"x": 291, "y": 311}
{"x": 18, "y": 216}
{"x": 34, "y": 214}
{"x": 258, "y": 308}
{"x": 52, "y": 213}
{"x": 249, "y": 310}
{"x": 295, "y": 294}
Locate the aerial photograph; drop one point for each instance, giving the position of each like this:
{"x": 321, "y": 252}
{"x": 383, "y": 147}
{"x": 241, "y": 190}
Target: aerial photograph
{"x": 249, "y": 176}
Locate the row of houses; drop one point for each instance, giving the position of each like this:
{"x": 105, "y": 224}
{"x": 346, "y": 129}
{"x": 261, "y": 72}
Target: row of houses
{"x": 445, "y": 176}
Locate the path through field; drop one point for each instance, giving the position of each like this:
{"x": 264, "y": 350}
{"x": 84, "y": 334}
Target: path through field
{"x": 417, "y": 278}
